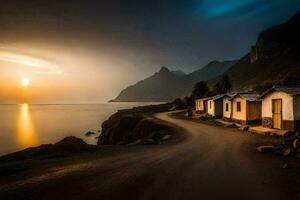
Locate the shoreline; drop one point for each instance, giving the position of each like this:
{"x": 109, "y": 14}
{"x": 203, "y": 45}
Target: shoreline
{"x": 147, "y": 110}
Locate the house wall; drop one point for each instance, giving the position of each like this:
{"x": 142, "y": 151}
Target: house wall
{"x": 254, "y": 111}
{"x": 199, "y": 105}
{"x": 287, "y": 105}
{"x": 290, "y": 111}
{"x": 226, "y": 114}
{"x": 239, "y": 116}
{"x": 211, "y": 107}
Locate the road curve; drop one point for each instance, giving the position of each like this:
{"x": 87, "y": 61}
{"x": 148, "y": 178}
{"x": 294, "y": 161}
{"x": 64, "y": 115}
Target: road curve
{"x": 211, "y": 163}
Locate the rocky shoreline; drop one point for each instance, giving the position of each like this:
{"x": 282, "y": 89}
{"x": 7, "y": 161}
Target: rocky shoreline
{"x": 134, "y": 126}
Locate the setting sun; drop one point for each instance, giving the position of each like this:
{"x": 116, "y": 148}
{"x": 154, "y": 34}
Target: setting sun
{"x": 25, "y": 82}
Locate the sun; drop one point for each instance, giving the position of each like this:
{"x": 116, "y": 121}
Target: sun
{"x": 25, "y": 82}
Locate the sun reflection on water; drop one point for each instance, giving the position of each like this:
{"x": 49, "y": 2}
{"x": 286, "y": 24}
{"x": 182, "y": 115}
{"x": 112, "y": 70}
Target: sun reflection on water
{"x": 25, "y": 127}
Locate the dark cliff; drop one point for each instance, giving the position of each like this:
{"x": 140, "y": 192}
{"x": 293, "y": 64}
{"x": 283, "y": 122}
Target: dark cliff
{"x": 275, "y": 57}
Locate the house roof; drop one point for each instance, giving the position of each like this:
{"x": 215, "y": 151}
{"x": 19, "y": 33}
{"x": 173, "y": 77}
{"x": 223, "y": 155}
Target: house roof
{"x": 247, "y": 96}
{"x": 219, "y": 96}
{"x": 293, "y": 91}
{"x": 204, "y": 99}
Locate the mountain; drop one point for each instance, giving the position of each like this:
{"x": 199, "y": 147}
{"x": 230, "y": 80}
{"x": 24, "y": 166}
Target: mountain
{"x": 211, "y": 70}
{"x": 275, "y": 57}
{"x": 167, "y": 85}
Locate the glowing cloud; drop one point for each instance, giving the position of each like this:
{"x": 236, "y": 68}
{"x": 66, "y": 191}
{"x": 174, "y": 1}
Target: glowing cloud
{"x": 44, "y": 66}
{"x": 224, "y": 7}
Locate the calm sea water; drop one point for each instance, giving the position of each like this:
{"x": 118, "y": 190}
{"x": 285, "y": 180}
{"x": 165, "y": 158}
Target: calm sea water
{"x": 24, "y": 125}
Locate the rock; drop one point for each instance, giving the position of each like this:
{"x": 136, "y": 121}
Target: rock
{"x": 73, "y": 144}
{"x": 284, "y": 166}
{"x": 265, "y": 149}
{"x": 244, "y": 128}
{"x": 128, "y": 128}
{"x": 296, "y": 143}
{"x": 148, "y": 141}
{"x": 287, "y": 151}
{"x": 89, "y": 133}
{"x": 166, "y": 137}
{"x": 66, "y": 147}
{"x": 229, "y": 125}
{"x": 137, "y": 142}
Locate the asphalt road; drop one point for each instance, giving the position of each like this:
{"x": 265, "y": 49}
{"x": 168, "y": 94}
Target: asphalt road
{"x": 211, "y": 163}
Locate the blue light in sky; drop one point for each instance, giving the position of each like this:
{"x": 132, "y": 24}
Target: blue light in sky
{"x": 223, "y": 7}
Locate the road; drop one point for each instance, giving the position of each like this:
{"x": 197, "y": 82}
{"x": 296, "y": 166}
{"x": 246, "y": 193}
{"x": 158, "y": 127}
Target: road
{"x": 211, "y": 163}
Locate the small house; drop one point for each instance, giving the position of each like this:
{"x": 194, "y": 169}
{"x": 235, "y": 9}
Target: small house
{"x": 281, "y": 108}
{"x": 201, "y": 105}
{"x": 246, "y": 108}
{"x": 227, "y": 107}
{"x": 215, "y": 105}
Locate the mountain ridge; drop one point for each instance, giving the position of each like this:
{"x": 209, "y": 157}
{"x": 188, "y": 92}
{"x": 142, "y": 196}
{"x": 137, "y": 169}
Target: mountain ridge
{"x": 166, "y": 85}
{"x": 275, "y": 57}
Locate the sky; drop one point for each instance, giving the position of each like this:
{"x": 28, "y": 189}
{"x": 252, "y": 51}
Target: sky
{"x": 87, "y": 51}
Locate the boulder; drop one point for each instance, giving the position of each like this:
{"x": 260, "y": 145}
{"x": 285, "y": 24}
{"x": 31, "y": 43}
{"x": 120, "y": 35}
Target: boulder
{"x": 265, "y": 149}
{"x": 137, "y": 142}
{"x": 129, "y": 128}
{"x": 148, "y": 141}
{"x": 166, "y": 137}
{"x": 296, "y": 143}
{"x": 66, "y": 147}
{"x": 287, "y": 151}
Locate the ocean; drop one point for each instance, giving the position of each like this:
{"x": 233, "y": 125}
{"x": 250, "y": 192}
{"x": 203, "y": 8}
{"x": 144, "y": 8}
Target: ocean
{"x": 26, "y": 125}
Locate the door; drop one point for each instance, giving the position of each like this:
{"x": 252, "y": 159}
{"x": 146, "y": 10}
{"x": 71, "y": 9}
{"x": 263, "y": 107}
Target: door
{"x": 277, "y": 113}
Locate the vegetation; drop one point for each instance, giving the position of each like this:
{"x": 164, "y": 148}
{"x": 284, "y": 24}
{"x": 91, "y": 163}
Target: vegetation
{"x": 226, "y": 84}
{"x": 200, "y": 90}
{"x": 223, "y": 86}
{"x": 289, "y": 80}
{"x": 261, "y": 87}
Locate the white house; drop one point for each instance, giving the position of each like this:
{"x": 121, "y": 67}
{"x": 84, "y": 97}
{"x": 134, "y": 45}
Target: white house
{"x": 246, "y": 108}
{"x": 227, "y": 107}
{"x": 215, "y": 105}
{"x": 201, "y": 105}
{"x": 281, "y": 108}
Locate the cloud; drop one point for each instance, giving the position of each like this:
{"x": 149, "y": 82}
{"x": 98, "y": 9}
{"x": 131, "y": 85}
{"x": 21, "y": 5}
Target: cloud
{"x": 43, "y": 66}
{"x": 219, "y": 8}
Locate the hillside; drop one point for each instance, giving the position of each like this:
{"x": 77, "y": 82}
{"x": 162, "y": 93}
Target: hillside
{"x": 275, "y": 57}
{"x": 167, "y": 85}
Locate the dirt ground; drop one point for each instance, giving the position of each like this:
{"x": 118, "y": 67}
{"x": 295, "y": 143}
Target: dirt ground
{"x": 204, "y": 162}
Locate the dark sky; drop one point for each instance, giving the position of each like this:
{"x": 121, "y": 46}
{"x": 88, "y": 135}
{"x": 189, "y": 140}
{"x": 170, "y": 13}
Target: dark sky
{"x": 143, "y": 35}
{"x": 179, "y": 33}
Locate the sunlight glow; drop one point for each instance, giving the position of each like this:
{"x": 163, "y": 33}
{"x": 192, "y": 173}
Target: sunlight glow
{"x": 43, "y": 65}
{"x": 25, "y": 128}
{"x": 25, "y": 82}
